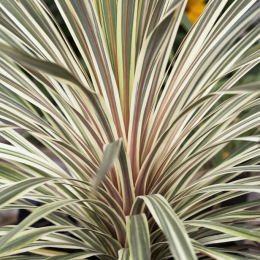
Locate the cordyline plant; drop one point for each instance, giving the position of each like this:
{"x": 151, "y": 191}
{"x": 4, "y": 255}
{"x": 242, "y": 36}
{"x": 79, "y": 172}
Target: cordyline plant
{"x": 116, "y": 139}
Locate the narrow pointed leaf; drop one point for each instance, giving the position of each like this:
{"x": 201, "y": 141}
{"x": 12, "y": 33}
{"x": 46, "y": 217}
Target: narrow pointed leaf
{"x": 138, "y": 237}
{"x": 37, "y": 214}
{"x": 171, "y": 226}
{"x": 111, "y": 153}
{"x": 232, "y": 230}
{"x": 12, "y": 192}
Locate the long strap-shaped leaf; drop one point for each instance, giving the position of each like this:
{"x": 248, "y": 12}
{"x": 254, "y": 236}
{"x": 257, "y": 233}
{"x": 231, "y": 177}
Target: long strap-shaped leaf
{"x": 126, "y": 181}
{"x": 144, "y": 87}
{"x": 126, "y": 41}
{"x": 111, "y": 152}
{"x": 123, "y": 254}
{"x": 138, "y": 237}
{"x": 36, "y": 28}
{"x": 188, "y": 52}
{"x": 232, "y": 230}
{"x": 216, "y": 254}
{"x": 76, "y": 256}
{"x": 29, "y": 236}
{"x": 96, "y": 104}
{"x": 39, "y": 213}
{"x": 184, "y": 87}
{"x": 22, "y": 257}
{"x": 82, "y": 16}
{"x": 11, "y": 193}
{"x": 169, "y": 223}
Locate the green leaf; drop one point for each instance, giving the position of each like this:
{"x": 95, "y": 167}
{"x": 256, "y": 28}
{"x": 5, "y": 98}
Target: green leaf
{"x": 29, "y": 236}
{"x": 216, "y": 254}
{"x": 37, "y": 214}
{"x": 170, "y": 224}
{"x": 111, "y": 152}
{"x": 253, "y": 88}
{"x": 123, "y": 254}
{"x": 76, "y": 75}
{"x": 17, "y": 190}
{"x": 61, "y": 74}
{"x": 229, "y": 187}
{"x": 232, "y": 230}
{"x": 76, "y": 256}
{"x": 42, "y": 65}
{"x": 19, "y": 257}
{"x": 138, "y": 237}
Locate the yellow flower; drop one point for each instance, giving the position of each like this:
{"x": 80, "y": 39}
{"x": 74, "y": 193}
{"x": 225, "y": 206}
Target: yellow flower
{"x": 194, "y": 9}
{"x": 225, "y": 154}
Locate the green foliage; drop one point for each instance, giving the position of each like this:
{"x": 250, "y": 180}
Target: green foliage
{"x": 120, "y": 139}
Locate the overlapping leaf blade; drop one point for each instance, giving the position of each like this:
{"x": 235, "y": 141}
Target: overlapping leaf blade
{"x": 171, "y": 226}
{"x": 138, "y": 237}
{"x": 66, "y": 94}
